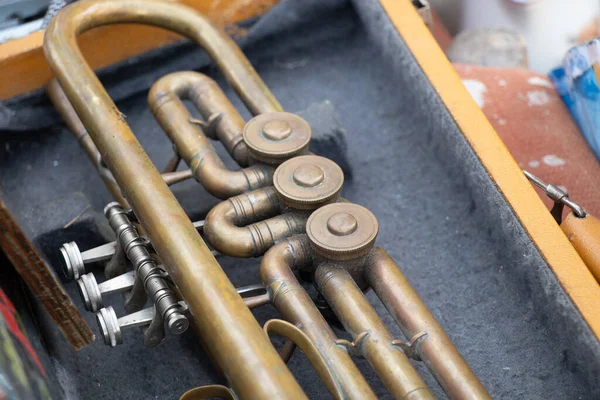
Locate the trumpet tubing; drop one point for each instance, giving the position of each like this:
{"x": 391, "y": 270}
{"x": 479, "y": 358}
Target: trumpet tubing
{"x": 283, "y": 203}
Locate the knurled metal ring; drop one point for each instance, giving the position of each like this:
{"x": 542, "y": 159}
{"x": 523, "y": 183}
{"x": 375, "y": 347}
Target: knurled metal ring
{"x": 342, "y": 231}
{"x": 274, "y": 137}
{"x": 308, "y": 182}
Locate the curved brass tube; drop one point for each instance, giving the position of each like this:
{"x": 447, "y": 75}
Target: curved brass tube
{"x": 208, "y": 392}
{"x": 371, "y": 338}
{"x": 228, "y": 329}
{"x": 412, "y": 316}
{"x": 224, "y": 122}
{"x": 295, "y": 334}
{"x": 165, "y": 99}
{"x": 296, "y": 306}
{"x": 248, "y": 225}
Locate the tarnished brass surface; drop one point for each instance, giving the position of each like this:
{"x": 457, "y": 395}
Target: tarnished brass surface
{"x": 342, "y": 231}
{"x": 222, "y": 121}
{"x": 295, "y": 305}
{"x": 165, "y": 99}
{"x": 300, "y": 224}
{"x": 65, "y": 109}
{"x": 295, "y": 334}
{"x": 372, "y": 339}
{"x": 277, "y": 136}
{"x": 208, "y": 392}
{"x": 226, "y": 326}
{"x": 308, "y": 182}
{"x": 412, "y": 316}
{"x": 249, "y": 224}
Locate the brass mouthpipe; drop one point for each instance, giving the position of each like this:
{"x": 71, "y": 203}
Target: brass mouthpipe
{"x": 67, "y": 112}
{"x": 436, "y": 350}
{"x": 224, "y": 122}
{"x": 228, "y": 329}
{"x": 249, "y": 224}
{"x": 371, "y": 338}
{"x": 296, "y": 306}
{"x": 165, "y": 99}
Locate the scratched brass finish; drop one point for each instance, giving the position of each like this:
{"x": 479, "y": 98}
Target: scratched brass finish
{"x": 249, "y": 224}
{"x": 165, "y": 99}
{"x": 412, "y": 316}
{"x": 296, "y": 306}
{"x": 65, "y": 109}
{"x": 308, "y": 182}
{"x": 358, "y": 317}
{"x": 277, "y": 136}
{"x": 222, "y": 121}
{"x": 229, "y": 331}
{"x": 282, "y": 203}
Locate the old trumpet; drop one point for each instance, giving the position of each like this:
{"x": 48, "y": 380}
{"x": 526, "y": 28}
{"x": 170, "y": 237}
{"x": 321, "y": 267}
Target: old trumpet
{"x": 282, "y": 204}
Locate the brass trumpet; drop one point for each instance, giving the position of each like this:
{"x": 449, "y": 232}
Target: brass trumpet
{"x": 283, "y": 204}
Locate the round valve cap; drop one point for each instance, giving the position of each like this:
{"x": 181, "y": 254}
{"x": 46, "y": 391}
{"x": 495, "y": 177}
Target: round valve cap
{"x": 276, "y": 136}
{"x": 308, "y": 182}
{"x": 342, "y": 231}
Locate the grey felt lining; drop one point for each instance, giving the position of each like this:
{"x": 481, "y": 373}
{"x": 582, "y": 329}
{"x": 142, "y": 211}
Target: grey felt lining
{"x": 440, "y": 216}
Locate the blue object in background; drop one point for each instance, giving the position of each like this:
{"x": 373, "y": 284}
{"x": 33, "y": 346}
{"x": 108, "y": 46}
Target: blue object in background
{"x": 577, "y": 85}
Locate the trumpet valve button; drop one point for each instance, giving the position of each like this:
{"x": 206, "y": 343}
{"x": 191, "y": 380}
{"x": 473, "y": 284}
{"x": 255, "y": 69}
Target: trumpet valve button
{"x": 73, "y": 266}
{"x": 342, "y": 224}
{"x": 277, "y": 129}
{"x": 90, "y": 292}
{"x": 308, "y": 175}
{"x": 308, "y": 182}
{"x": 342, "y": 231}
{"x": 109, "y": 326}
{"x": 274, "y": 137}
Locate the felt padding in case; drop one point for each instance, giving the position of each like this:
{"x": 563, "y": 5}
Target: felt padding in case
{"x": 442, "y": 217}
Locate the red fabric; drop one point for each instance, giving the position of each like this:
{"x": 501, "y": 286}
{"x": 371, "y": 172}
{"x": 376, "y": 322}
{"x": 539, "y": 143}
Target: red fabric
{"x": 537, "y": 129}
{"x": 10, "y": 317}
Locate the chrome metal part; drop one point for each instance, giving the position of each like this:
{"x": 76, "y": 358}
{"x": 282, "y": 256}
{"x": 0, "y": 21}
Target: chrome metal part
{"x": 146, "y": 268}
{"x": 91, "y": 292}
{"x": 73, "y": 266}
{"x": 109, "y": 326}
{"x": 74, "y": 260}
{"x": 559, "y": 196}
